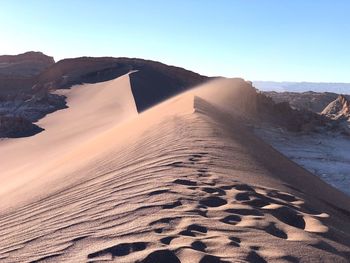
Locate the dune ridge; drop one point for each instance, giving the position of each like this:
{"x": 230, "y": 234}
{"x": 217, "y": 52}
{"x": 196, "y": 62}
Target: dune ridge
{"x": 185, "y": 181}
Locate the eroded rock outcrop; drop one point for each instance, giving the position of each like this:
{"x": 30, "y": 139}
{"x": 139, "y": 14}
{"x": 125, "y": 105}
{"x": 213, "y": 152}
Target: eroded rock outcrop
{"x": 339, "y": 108}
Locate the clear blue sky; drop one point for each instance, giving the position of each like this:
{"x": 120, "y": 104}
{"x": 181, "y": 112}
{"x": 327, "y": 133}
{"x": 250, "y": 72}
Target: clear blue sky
{"x": 290, "y": 40}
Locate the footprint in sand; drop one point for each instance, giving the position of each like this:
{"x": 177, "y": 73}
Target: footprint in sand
{"x": 176, "y": 164}
{"x": 161, "y": 256}
{"x": 172, "y": 205}
{"x": 158, "y": 192}
{"x": 194, "y": 230}
{"x": 244, "y": 211}
{"x": 165, "y": 224}
{"x": 273, "y": 230}
{"x": 235, "y": 241}
{"x": 288, "y": 216}
{"x": 213, "y": 201}
{"x": 195, "y": 158}
{"x": 167, "y": 240}
{"x": 185, "y": 182}
{"x": 211, "y": 259}
{"x": 255, "y": 257}
{"x": 231, "y": 219}
{"x": 283, "y": 196}
{"x": 198, "y": 245}
{"x": 213, "y": 190}
{"x": 119, "y": 250}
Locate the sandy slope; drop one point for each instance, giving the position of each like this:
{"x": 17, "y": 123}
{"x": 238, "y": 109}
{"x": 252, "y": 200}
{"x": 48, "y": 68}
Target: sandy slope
{"x": 183, "y": 182}
{"x": 93, "y": 108}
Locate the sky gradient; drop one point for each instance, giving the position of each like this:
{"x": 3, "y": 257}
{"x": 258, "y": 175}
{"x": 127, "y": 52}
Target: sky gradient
{"x": 291, "y": 40}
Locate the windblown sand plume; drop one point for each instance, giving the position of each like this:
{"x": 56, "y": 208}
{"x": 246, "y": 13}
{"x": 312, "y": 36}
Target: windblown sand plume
{"x": 184, "y": 181}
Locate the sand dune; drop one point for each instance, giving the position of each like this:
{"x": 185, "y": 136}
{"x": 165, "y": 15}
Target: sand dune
{"x": 184, "y": 181}
{"x": 93, "y": 108}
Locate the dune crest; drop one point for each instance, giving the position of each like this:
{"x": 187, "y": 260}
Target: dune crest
{"x": 185, "y": 181}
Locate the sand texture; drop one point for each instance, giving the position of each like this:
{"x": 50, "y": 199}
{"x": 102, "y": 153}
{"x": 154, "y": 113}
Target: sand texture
{"x": 184, "y": 181}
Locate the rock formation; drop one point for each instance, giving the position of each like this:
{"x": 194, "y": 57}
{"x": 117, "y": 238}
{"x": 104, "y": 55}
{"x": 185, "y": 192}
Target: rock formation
{"x": 339, "y": 108}
{"x": 13, "y": 127}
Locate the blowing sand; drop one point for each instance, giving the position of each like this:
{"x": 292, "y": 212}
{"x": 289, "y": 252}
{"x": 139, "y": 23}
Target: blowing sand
{"x": 184, "y": 181}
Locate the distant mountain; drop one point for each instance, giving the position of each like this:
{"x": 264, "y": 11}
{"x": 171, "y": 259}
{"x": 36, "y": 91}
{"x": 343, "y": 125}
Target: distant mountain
{"x": 339, "y": 88}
